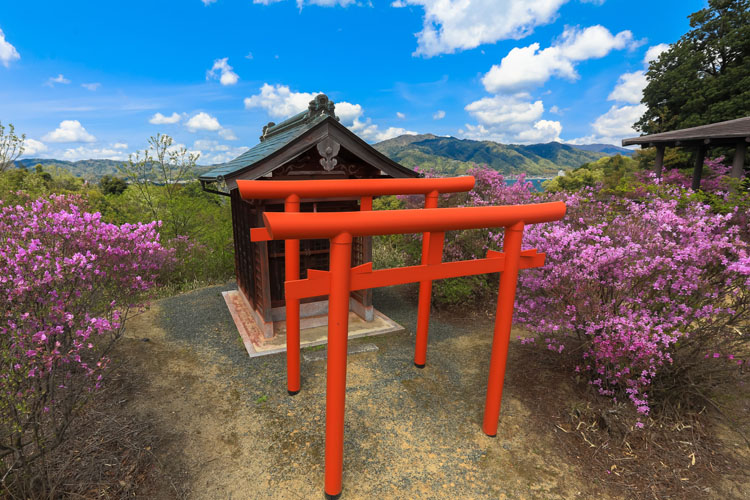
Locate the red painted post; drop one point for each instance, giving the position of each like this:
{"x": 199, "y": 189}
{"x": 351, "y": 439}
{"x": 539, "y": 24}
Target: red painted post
{"x": 425, "y": 292}
{"x": 291, "y": 270}
{"x": 503, "y": 319}
{"x": 338, "y": 330}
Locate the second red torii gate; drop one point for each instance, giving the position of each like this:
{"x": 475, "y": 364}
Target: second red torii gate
{"x": 292, "y": 192}
{"x": 341, "y": 279}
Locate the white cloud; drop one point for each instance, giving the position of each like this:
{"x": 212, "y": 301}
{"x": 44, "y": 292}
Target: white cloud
{"x": 554, "y": 109}
{"x": 279, "y": 101}
{"x": 400, "y": 115}
{"x": 629, "y": 88}
{"x": 398, "y": 4}
{"x": 160, "y": 119}
{"x": 69, "y": 131}
{"x": 348, "y": 113}
{"x": 618, "y": 121}
{"x": 208, "y": 2}
{"x": 542, "y": 131}
{"x": 654, "y": 52}
{"x": 51, "y": 81}
{"x": 203, "y": 121}
{"x": 8, "y": 52}
{"x": 91, "y": 86}
{"x": 510, "y": 119}
{"x": 32, "y": 147}
{"x": 222, "y": 71}
{"x": 86, "y": 153}
{"x": 451, "y": 25}
{"x": 506, "y": 111}
{"x": 302, "y": 3}
{"x": 249, "y": 55}
{"x": 439, "y": 115}
{"x": 120, "y": 145}
{"x": 209, "y": 145}
{"x": 227, "y": 134}
{"x": 527, "y": 67}
{"x": 613, "y": 126}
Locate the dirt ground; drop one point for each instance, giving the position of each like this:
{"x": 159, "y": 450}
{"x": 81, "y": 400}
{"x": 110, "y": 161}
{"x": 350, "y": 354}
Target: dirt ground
{"x": 229, "y": 429}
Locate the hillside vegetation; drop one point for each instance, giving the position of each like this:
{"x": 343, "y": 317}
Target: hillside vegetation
{"x": 450, "y": 156}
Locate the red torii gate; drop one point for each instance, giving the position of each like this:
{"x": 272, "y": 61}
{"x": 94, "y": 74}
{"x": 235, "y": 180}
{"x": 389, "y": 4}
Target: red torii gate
{"x": 341, "y": 279}
{"x": 292, "y": 192}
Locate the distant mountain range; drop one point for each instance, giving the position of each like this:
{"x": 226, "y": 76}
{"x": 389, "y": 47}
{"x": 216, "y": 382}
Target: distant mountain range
{"x": 448, "y": 155}
{"x": 443, "y": 155}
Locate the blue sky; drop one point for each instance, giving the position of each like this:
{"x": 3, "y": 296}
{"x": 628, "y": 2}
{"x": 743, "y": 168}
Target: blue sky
{"x": 93, "y": 79}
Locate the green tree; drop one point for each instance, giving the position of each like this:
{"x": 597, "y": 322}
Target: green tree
{"x": 158, "y": 175}
{"x": 704, "y": 77}
{"x": 11, "y": 146}
{"x": 112, "y": 185}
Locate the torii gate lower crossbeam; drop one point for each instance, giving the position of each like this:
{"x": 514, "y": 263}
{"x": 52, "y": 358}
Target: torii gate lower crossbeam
{"x": 341, "y": 279}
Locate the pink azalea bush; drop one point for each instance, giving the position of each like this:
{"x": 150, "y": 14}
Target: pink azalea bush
{"x": 643, "y": 288}
{"x": 69, "y": 281}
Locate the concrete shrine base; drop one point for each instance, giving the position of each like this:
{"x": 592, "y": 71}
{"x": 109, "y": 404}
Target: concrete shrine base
{"x": 314, "y": 334}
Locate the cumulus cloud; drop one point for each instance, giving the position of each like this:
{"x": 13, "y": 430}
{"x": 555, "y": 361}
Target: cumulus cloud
{"x": 629, "y": 88}
{"x": 227, "y": 134}
{"x": 400, "y": 115}
{"x": 527, "y": 67}
{"x": 120, "y": 145}
{"x": 453, "y": 25}
{"x": 91, "y": 86}
{"x": 439, "y": 115}
{"x": 654, "y": 52}
{"x": 302, "y": 3}
{"x": 222, "y": 71}
{"x": 208, "y": 2}
{"x": 617, "y": 123}
{"x": 203, "y": 121}
{"x": 510, "y": 120}
{"x": 160, "y": 119}
{"x": 51, "y": 81}
{"x": 614, "y": 125}
{"x": 8, "y": 52}
{"x": 86, "y": 153}
{"x": 280, "y": 102}
{"x": 69, "y": 131}
{"x": 32, "y": 147}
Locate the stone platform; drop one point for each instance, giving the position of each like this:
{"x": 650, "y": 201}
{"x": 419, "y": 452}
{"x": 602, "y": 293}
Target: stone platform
{"x": 257, "y": 345}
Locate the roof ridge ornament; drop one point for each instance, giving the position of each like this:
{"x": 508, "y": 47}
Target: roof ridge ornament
{"x": 321, "y": 105}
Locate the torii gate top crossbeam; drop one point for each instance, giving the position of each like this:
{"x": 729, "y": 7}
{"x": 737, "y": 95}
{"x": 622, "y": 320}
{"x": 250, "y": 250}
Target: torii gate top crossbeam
{"x": 281, "y": 225}
{"x": 337, "y": 188}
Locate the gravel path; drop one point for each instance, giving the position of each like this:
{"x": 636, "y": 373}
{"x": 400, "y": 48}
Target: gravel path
{"x": 235, "y": 433}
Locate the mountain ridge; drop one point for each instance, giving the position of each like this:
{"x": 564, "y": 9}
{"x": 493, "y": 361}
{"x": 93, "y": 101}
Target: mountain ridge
{"x": 450, "y": 155}
{"x": 428, "y": 152}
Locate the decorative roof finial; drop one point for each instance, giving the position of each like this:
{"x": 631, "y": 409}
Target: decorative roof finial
{"x": 321, "y": 105}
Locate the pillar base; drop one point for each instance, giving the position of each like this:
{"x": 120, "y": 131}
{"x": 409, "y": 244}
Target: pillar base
{"x": 419, "y": 366}
{"x": 292, "y": 393}
{"x": 332, "y": 497}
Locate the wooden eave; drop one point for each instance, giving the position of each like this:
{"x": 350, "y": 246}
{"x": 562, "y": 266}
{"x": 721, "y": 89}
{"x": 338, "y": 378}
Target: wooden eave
{"x": 722, "y": 133}
{"x": 328, "y": 127}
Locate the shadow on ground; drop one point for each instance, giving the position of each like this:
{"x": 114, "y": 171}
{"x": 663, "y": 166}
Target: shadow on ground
{"x": 233, "y": 432}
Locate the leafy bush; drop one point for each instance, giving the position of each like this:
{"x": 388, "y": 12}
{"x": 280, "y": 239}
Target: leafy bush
{"x": 648, "y": 285}
{"x": 69, "y": 283}
{"x": 637, "y": 285}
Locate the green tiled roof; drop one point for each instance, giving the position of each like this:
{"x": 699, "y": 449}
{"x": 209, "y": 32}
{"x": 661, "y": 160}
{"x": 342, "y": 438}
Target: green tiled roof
{"x": 275, "y": 137}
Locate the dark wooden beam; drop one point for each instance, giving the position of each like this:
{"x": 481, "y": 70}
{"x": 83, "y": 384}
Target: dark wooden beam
{"x": 700, "y": 155}
{"x": 738, "y": 165}
{"x": 659, "y": 164}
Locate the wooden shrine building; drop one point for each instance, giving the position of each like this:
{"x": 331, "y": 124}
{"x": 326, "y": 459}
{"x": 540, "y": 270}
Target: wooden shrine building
{"x": 731, "y": 133}
{"x": 310, "y": 145}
